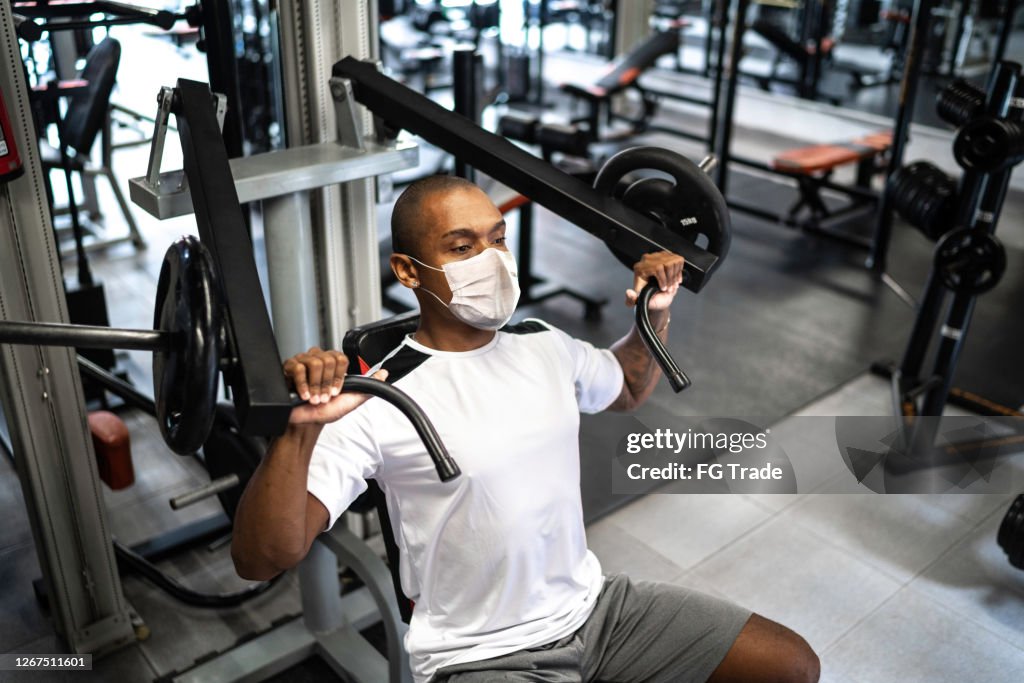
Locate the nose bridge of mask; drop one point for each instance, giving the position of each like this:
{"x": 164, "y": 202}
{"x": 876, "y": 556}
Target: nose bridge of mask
{"x": 485, "y": 267}
{"x": 459, "y": 274}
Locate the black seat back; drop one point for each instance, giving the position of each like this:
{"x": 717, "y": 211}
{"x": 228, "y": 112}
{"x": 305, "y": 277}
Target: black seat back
{"x": 87, "y": 110}
{"x": 642, "y": 57}
{"x": 365, "y": 346}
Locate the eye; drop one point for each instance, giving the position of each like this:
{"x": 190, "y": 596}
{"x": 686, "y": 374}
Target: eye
{"x": 462, "y": 249}
{"x": 500, "y": 240}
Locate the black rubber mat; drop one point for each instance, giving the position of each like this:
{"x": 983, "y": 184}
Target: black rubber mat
{"x": 311, "y": 670}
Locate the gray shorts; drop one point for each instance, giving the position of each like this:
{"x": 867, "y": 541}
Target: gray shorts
{"x": 638, "y": 631}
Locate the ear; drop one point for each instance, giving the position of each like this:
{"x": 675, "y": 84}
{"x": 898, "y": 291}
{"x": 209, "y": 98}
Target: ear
{"x": 405, "y": 270}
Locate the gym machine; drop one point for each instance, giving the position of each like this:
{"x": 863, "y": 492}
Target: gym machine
{"x": 202, "y": 310}
{"x": 624, "y": 229}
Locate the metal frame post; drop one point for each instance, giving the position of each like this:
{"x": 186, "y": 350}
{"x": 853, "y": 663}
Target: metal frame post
{"x": 43, "y": 404}
{"x": 905, "y": 114}
{"x": 466, "y": 90}
{"x": 732, "y": 77}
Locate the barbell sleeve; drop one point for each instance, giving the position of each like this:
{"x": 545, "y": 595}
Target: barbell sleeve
{"x": 676, "y": 377}
{"x": 83, "y": 336}
{"x": 447, "y": 468}
{"x": 206, "y": 491}
{"x": 708, "y": 164}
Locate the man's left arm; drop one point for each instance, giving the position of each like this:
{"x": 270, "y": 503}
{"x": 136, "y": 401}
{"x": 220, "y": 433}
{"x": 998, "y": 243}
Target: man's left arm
{"x": 639, "y": 369}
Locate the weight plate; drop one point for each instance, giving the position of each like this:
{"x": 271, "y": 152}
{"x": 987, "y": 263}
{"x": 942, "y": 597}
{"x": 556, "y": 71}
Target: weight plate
{"x": 970, "y": 262}
{"x": 190, "y": 306}
{"x": 1011, "y": 533}
{"x": 988, "y": 144}
{"x": 689, "y": 204}
{"x": 924, "y": 196}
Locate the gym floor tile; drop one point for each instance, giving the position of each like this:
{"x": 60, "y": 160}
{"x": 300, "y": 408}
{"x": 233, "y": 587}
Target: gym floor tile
{"x": 180, "y": 634}
{"x": 810, "y": 445}
{"x": 687, "y": 528}
{"x": 23, "y": 620}
{"x": 913, "y": 639}
{"x": 975, "y": 580}
{"x": 774, "y": 502}
{"x": 974, "y": 507}
{"x": 621, "y": 552}
{"x": 139, "y": 521}
{"x": 15, "y": 529}
{"x": 796, "y": 577}
{"x": 899, "y": 535}
{"x": 206, "y": 571}
{"x": 865, "y": 395}
{"x": 157, "y": 468}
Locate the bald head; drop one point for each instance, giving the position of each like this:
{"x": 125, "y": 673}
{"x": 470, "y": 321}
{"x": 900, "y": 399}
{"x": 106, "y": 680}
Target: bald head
{"x": 408, "y": 225}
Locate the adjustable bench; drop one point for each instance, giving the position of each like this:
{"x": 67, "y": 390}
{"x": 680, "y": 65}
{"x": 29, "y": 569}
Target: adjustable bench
{"x": 621, "y": 74}
{"x": 812, "y": 167}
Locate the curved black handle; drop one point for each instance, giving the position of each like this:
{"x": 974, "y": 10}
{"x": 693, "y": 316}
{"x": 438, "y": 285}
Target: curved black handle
{"x": 447, "y": 469}
{"x": 676, "y": 377}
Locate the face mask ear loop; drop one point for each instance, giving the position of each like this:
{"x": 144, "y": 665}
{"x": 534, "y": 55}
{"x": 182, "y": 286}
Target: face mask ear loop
{"x": 421, "y": 262}
{"x": 432, "y": 268}
{"x": 433, "y": 295}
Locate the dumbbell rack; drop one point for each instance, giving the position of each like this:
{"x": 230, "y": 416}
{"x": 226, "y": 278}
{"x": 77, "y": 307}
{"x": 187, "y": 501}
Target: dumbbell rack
{"x": 968, "y": 261}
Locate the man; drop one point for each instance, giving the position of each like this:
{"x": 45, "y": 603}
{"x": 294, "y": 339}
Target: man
{"x": 496, "y": 560}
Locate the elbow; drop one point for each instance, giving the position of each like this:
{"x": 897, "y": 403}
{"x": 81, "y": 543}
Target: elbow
{"x": 259, "y": 566}
{"x": 626, "y": 401}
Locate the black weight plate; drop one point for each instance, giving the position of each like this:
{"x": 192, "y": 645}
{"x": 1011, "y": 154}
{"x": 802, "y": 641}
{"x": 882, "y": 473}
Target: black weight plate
{"x": 695, "y": 206}
{"x": 656, "y": 198}
{"x": 190, "y": 306}
{"x": 924, "y": 196}
{"x": 988, "y": 144}
{"x": 1011, "y": 533}
{"x": 969, "y": 261}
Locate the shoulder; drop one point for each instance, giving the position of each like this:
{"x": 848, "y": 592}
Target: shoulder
{"x": 401, "y": 362}
{"x": 528, "y": 326}
{"x": 534, "y": 333}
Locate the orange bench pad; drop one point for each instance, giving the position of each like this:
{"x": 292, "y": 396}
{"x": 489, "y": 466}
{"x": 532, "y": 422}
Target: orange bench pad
{"x": 817, "y": 158}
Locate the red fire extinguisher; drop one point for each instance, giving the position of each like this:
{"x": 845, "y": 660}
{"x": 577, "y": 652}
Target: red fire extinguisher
{"x": 10, "y": 161}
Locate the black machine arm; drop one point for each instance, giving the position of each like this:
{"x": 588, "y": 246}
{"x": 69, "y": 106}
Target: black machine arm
{"x": 81, "y": 15}
{"x": 623, "y": 229}
{"x": 254, "y": 372}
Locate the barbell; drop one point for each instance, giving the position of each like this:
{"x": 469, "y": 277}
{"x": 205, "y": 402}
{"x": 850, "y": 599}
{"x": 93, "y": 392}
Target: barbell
{"x": 190, "y": 348}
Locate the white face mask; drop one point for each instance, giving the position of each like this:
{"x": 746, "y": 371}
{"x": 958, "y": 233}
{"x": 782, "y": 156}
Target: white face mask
{"x": 485, "y": 288}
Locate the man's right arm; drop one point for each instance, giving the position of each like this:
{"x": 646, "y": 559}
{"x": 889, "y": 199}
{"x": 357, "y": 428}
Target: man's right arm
{"x": 277, "y": 519}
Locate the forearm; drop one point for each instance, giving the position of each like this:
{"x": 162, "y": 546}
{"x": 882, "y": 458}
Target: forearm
{"x": 640, "y": 371}
{"x": 270, "y": 522}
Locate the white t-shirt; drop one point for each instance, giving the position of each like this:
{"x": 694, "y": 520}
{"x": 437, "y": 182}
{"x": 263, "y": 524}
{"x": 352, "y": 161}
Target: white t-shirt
{"x": 495, "y": 560}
